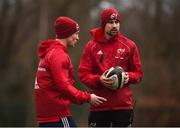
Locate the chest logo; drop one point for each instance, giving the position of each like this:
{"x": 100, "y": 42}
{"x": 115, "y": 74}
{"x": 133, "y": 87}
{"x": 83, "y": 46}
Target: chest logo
{"x": 99, "y": 52}
{"x": 100, "y": 56}
{"x": 120, "y": 52}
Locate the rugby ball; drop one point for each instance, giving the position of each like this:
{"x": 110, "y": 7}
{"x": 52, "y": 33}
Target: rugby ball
{"x": 117, "y": 74}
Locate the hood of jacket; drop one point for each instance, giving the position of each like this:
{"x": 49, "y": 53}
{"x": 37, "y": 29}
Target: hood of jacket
{"x": 98, "y": 35}
{"x": 47, "y": 45}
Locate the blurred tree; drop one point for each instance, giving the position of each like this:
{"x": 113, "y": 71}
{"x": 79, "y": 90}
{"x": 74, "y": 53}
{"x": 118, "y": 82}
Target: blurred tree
{"x": 155, "y": 30}
{"x": 16, "y": 54}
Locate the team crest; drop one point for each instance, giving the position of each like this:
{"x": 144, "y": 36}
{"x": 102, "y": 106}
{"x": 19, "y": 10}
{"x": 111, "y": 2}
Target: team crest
{"x": 77, "y": 27}
{"x": 121, "y": 50}
{"x": 114, "y": 16}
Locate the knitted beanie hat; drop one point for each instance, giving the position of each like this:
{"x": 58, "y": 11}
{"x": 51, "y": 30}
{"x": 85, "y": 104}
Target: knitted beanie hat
{"x": 65, "y": 27}
{"x": 109, "y": 14}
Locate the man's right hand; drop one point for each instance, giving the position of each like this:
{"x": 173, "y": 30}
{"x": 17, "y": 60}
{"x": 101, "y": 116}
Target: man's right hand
{"x": 107, "y": 82}
{"x": 96, "y": 100}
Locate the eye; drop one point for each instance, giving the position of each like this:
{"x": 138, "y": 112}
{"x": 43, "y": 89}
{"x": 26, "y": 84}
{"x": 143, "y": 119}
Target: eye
{"x": 111, "y": 22}
{"x": 116, "y": 21}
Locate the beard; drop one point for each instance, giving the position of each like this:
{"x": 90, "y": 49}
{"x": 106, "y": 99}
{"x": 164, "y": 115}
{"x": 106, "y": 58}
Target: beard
{"x": 113, "y": 32}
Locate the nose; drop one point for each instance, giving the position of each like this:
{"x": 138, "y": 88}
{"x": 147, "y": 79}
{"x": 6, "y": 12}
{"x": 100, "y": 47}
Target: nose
{"x": 114, "y": 24}
{"x": 77, "y": 38}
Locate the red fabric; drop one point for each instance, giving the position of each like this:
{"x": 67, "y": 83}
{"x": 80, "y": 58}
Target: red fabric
{"x": 65, "y": 27}
{"x": 54, "y": 89}
{"x": 109, "y": 14}
{"x": 101, "y": 54}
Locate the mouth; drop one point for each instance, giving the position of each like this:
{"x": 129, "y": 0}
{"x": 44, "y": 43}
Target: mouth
{"x": 114, "y": 30}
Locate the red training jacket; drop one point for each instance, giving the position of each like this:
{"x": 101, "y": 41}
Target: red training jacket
{"x": 54, "y": 87}
{"x": 101, "y": 54}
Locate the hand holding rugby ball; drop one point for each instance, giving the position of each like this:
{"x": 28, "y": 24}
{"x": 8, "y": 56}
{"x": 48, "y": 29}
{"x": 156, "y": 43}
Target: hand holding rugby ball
{"x": 118, "y": 76}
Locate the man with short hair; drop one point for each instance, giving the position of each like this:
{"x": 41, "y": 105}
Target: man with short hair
{"x": 54, "y": 86}
{"x": 109, "y": 48}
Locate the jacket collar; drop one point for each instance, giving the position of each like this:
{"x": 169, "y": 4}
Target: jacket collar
{"x": 47, "y": 45}
{"x": 98, "y": 35}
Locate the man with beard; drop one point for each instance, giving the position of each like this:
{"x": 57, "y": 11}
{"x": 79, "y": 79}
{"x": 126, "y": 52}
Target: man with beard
{"x": 109, "y": 48}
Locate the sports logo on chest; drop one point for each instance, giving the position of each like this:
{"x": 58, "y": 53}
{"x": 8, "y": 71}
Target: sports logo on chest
{"x": 99, "y": 52}
{"x": 100, "y": 56}
{"x": 120, "y": 53}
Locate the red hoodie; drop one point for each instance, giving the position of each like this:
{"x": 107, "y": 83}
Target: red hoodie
{"x": 54, "y": 87}
{"x": 99, "y": 55}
